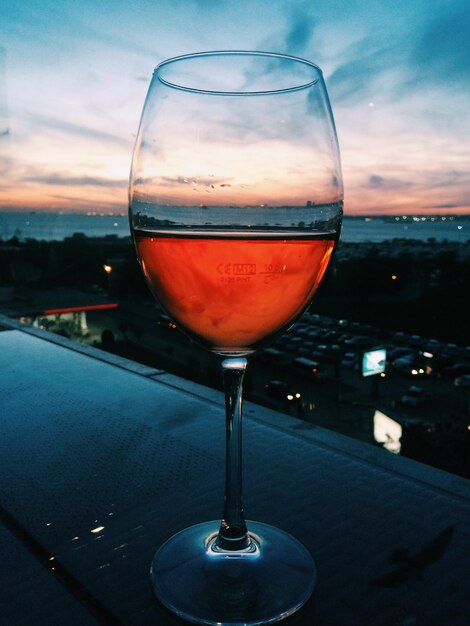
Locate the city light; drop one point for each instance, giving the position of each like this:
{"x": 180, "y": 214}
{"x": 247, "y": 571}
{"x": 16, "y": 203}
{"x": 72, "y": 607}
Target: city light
{"x": 387, "y": 432}
{"x": 76, "y": 309}
{"x": 98, "y": 529}
{"x": 107, "y": 268}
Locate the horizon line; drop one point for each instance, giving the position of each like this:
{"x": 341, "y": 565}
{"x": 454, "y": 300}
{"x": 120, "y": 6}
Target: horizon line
{"x": 117, "y": 213}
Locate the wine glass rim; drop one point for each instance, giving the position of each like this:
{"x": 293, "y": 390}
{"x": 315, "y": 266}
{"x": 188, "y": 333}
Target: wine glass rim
{"x": 228, "y": 53}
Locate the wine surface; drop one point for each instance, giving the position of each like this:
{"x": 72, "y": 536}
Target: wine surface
{"x": 230, "y": 290}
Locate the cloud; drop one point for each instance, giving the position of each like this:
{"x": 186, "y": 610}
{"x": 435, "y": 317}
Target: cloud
{"x": 301, "y": 27}
{"x": 376, "y": 181}
{"x": 443, "y": 206}
{"x": 76, "y": 181}
{"x": 441, "y": 52}
{"x": 369, "y": 60}
{"x": 379, "y": 182}
{"x": 448, "y": 178}
{"x": 74, "y": 25}
{"x": 291, "y": 29}
{"x": 421, "y": 48}
{"x": 121, "y": 44}
{"x": 72, "y": 202}
{"x": 87, "y": 132}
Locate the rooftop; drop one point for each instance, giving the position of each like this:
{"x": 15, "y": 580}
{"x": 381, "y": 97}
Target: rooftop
{"x": 102, "y": 459}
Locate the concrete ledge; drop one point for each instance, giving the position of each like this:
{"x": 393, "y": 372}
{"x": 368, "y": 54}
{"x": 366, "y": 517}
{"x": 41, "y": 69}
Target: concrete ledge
{"x": 372, "y": 454}
{"x": 101, "y": 463}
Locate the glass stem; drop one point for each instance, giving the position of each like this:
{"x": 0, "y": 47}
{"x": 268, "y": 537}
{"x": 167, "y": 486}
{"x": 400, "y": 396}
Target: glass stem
{"x": 233, "y": 534}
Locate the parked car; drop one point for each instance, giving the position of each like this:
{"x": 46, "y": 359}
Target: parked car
{"x": 397, "y": 353}
{"x": 301, "y": 330}
{"x": 455, "y": 371}
{"x": 325, "y": 352}
{"x": 407, "y": 365}
{"x": 318, "y": 355}
{"x": 307, "y": 367}
{"x": 441, "y": 362}
{"x": 463, "y": 381}
{"x": 165, "y": 321}
{"x": 349, "y": 360}
{"x": 399, "y": 337}
{"x": 358, "y": 341}
{"x": 413, "y": 397}
{"x": 432, "y": 345}
{"x": 415, "y": 340}
{"x": 315, "y": 333}
{"x": 293, "y": 344}
{"x": 306, "y": 348}
{"x": 328, "y": 322}
{"x": 274, "y": 356}
{"x": 280, "y": 390}
{"x": 282, "y": 341}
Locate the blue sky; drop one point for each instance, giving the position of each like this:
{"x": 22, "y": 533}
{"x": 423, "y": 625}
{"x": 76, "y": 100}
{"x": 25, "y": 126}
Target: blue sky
{"x": 74, "y": 74}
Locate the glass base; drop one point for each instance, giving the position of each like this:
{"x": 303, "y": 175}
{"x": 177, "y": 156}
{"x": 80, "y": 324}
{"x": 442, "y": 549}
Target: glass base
{"x": 263, "y": 584}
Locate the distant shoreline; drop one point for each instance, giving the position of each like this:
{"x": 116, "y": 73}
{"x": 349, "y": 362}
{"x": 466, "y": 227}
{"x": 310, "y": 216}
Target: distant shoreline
{"x": 347, "y": 216}
{"x": 53, "y": 226}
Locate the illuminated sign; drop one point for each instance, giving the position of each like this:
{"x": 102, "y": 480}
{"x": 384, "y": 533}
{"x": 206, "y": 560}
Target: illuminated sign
{"x": 374, "y": 361}
{"x": 78, "y": 309}
{"x": 387, "y": 432}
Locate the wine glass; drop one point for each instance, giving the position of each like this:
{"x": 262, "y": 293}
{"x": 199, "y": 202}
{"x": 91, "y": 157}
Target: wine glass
{"x": 235, "y": 211}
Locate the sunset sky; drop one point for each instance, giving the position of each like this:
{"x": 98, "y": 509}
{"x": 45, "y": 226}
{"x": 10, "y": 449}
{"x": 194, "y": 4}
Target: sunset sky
{"x": 74, "y": 74}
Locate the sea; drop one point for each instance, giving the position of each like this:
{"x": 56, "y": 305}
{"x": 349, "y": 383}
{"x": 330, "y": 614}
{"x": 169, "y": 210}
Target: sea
{"x": 57, "y": 226}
